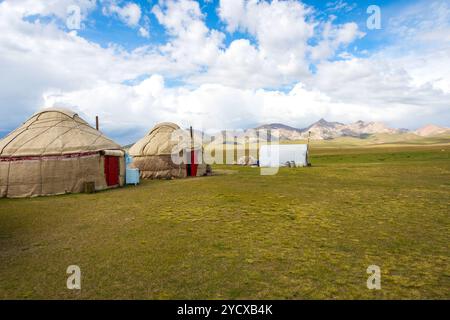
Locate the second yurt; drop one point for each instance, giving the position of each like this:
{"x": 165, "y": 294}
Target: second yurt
{"x": 153, "y": 154}
{"x": 57, "y": 152}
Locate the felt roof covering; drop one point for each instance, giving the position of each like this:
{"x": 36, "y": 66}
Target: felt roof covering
{"x": 54, "y": 132}
{"x": 159, "y": 141}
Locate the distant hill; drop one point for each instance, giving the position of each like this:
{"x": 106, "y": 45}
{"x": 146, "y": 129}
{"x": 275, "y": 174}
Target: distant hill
{"x": 431, "y": 130}
{"x": 286, "y": 132}
{"x": 128, "y": 146}
{"x": 324, "y": 130}
{"x": 371, "y": 132}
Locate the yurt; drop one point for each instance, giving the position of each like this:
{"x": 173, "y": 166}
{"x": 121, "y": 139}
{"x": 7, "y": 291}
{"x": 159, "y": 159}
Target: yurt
{"x": 153, "y": 154}
{"x": 57, "y": 152}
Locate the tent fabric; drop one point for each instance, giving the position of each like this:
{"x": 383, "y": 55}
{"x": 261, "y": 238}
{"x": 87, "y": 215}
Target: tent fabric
{"x": 152, "y": 154}
{"x": 283, "y": 155}
{"x": 156, "y": 142}
{"x": 158, "y": 167}
{"x": 114, "y": 153}
{"x": 54, "y": 152}
{"x": 54, "y": 132}
{"x": 164, "y": 139}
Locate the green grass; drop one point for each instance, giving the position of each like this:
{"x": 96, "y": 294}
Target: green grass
{"x": 304, "y": 233}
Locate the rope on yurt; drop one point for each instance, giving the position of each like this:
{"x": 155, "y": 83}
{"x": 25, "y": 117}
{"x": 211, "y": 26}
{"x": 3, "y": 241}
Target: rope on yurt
{"x": 25, "y": 129}
{"x": 35, "y": 136}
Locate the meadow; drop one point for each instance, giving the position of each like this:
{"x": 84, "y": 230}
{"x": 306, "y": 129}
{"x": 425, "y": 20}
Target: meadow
{"x": 305, "y": 233}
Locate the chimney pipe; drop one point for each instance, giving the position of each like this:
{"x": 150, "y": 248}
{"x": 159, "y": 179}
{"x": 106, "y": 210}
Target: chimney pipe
{"x": 192, "y": 138}
{"x": 96, "y": 122}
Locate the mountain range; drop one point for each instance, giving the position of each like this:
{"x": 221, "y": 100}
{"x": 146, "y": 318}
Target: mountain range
{"x": 324, "y": 130}
{"x": 378, "y": 132}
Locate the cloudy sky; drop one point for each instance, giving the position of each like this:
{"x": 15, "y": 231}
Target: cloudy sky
{"x": 225, "y": 64}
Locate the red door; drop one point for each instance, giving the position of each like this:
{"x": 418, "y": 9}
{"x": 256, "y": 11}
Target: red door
{"x": 191, "y": 168}
{"x": 193, "y": 164}
{"x": 112, "y": 170}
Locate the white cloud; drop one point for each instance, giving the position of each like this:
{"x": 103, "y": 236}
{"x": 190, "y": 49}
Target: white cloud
{"x": 216, "y": 106}
{"x": 425, "y": 21}
{"x": 241, "y": 65}
{"x": 42, "y": 64}
{"x": 130, "y": 13}
{"x": 37, "y": 57}
{"x": 144, "y": 32}
{"x": 192, "y": 43}
{"x": 56, "y": 8}
{"x": 340, "y": 5}
{"x": 375, "y": 82}
{"x": 333, "y": 37}
{"x": 281, "y": 52}
{"x": 421, "y": 43}
{"x": 233, "y": 13}
{"x": 281, "y": 29}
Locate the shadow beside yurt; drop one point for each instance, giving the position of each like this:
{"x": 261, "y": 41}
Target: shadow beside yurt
{"x": 152, "y": 154}
{"x": 57, "y": 152}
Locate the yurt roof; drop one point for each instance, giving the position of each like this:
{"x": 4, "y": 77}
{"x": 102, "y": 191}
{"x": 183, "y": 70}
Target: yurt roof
{"x": 165, "y": 125}
{"x": 158, "y": 141}
{"x": 54, "y": 132}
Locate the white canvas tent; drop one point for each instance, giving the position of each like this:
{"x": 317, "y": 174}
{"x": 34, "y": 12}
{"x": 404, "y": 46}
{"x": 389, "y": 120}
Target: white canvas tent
{"x": 275, "y": 155}
{"x": 56, "y": 152}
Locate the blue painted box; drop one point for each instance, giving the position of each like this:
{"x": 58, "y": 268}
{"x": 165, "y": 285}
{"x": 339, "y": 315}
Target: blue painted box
{"x": 131, "y": 174}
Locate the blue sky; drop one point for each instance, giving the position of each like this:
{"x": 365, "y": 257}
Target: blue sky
{"x": 226, "y": 64}
{"x": 105, "y": 29}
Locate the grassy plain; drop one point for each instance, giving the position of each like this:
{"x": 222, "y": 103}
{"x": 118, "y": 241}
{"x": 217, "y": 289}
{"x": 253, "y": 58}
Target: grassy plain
{"x": 305, "y": 233}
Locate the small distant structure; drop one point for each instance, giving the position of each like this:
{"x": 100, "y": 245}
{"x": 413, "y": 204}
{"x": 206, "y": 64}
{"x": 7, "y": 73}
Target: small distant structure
{"x": 283, "y": 155}
{"x": 131, "y": 174}
{"x": 247, "y": 161}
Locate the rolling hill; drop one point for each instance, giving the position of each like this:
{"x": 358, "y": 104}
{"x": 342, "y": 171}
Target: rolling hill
{"x": 360, "y": 133}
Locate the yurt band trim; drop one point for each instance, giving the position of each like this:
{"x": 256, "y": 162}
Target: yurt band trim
{"x": 52, "y": 157}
